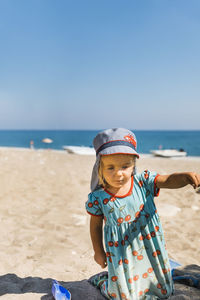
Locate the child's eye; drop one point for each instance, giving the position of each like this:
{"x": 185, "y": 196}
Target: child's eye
{"x": 110, "y": 168}
{"x": 124, "y": 167}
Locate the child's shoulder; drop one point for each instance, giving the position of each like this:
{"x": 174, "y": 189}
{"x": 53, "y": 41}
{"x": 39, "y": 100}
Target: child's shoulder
{"x": 145, "y": 175}
{"x": 98, "y": 192}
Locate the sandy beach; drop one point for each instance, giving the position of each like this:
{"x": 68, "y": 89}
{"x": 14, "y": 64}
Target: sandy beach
{"x": 45, "y": 228}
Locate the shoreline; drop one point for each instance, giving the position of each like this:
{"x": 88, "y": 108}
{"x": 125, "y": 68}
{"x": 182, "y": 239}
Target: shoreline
{"x": 142, "y": 155}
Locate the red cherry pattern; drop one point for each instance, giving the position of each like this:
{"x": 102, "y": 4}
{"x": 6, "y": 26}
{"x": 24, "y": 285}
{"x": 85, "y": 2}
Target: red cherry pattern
{"x": 127, "y": 218}
{"x": 141, "y": 207}
{"x": 145, "y": 275}
{"x": 105, "y": 201}
{"x": 112, "y": 199}
{"x": 126, "y": 237}
{"x": 126, "y": 261}
{"x": 150, "y": 270}
{"x": 146, "y": 174}
{"x": 148, "y": 236}
{"x": 130, "y": 280}
{"x": 159, "y": 286}
{"x": 140, "y": 293}
{"x": 123, "y": 296}
{"x": 137, "y": 214}
{"x": 114, "y": 278}
{"x": 140, "y": 257}
{"x": 136, "y": 253}
{"x": 123, "y": 242}
{"x": 142, "y": 237}
{"x": 108, "y": 254}
{"x": 140, "y": 183}
{"x": 136, "y": 277}
{"x": 116, "y": 244}
{"x": 110, "y": 243}
{"x": 164, "y": 292}
{"x": 120, "y": 262}
{"x": 165, "y": 271}
{"x": 154, "y": 254}
{"x": 120, "y": 220}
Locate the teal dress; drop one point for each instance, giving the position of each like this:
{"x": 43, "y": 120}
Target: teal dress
{"x": 138, "y": 264}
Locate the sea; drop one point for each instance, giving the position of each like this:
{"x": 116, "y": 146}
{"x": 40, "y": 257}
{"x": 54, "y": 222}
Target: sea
{"x": 148, "y": 140}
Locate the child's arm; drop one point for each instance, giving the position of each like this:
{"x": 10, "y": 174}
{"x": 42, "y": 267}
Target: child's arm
{"x": 96, "y": 225}
{"x": 178, "y": 180}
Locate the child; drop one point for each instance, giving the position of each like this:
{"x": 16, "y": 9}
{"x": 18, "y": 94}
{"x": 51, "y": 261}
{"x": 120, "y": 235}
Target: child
{"x": 136, "y": 256}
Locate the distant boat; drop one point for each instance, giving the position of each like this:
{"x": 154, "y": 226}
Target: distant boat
{"x": 81, "y": 150}
{"x": 47, "y": 141}
{"x": 169, "y": 153}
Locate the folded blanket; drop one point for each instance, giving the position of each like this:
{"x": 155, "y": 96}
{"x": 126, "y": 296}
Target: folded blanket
{"x": 186, "y": 284}
{"x": 189, "y": 276}
{"x": 82, "y": 290}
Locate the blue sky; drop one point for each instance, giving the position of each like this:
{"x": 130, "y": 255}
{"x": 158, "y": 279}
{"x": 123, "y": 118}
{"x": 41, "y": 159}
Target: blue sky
{"x": 80, "y": 64}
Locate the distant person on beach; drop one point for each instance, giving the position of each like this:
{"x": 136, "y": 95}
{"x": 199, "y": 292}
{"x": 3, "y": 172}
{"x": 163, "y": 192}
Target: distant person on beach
{"x": 135, "y": 251}
{"x": 31, "y": 144}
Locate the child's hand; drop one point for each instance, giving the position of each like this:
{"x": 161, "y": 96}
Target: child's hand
{"x": 194, "y": 179}
{"x": 100, "y": 258}
{"x": 178, "y": 180}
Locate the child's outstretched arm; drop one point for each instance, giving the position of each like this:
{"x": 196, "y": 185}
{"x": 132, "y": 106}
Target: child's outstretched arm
{"x": 96, "y": 227}
{"x": 178, "y": 180}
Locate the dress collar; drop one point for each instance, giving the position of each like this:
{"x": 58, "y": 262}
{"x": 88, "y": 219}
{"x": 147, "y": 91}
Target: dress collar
{"x": 127, "y": 194}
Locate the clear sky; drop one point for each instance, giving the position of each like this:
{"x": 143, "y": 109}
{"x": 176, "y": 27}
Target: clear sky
{"x": 93, "y": 64}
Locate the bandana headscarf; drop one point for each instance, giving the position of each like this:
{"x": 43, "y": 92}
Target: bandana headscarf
{"x": 112, "y": 141}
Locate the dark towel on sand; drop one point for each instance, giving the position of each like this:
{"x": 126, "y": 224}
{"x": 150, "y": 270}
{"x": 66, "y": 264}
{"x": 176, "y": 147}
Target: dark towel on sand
{"x": 184, "y": 288}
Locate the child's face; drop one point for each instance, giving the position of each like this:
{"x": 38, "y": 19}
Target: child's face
{"x": 117, "y": 169}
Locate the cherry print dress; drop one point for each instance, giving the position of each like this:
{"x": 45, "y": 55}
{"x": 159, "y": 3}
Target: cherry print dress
{"x": 138, "y": 264}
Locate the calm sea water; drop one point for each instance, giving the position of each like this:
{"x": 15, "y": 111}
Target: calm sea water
{"x": 147, "y": 140}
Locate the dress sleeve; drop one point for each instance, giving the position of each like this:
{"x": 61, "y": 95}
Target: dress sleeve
{"x": 149, "y": 179}
{"x": 93, "y": 205}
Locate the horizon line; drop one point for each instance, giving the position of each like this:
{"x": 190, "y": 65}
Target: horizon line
{"x": 87, "y": 129}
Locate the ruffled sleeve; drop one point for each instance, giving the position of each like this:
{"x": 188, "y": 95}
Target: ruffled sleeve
{"x": 93, "y": 206}
{"x": 149, "y": 180}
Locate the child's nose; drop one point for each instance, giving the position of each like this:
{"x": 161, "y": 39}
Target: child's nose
{"x": 119, "y": 172}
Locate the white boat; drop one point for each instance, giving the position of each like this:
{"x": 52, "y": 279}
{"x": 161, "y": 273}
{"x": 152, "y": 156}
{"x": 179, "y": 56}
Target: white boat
{"x": 169, "y": 153}
{"x": 81, "y": 150}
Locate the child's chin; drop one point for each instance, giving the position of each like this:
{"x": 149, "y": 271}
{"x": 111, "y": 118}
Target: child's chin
{"x": 118, "y": 184}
